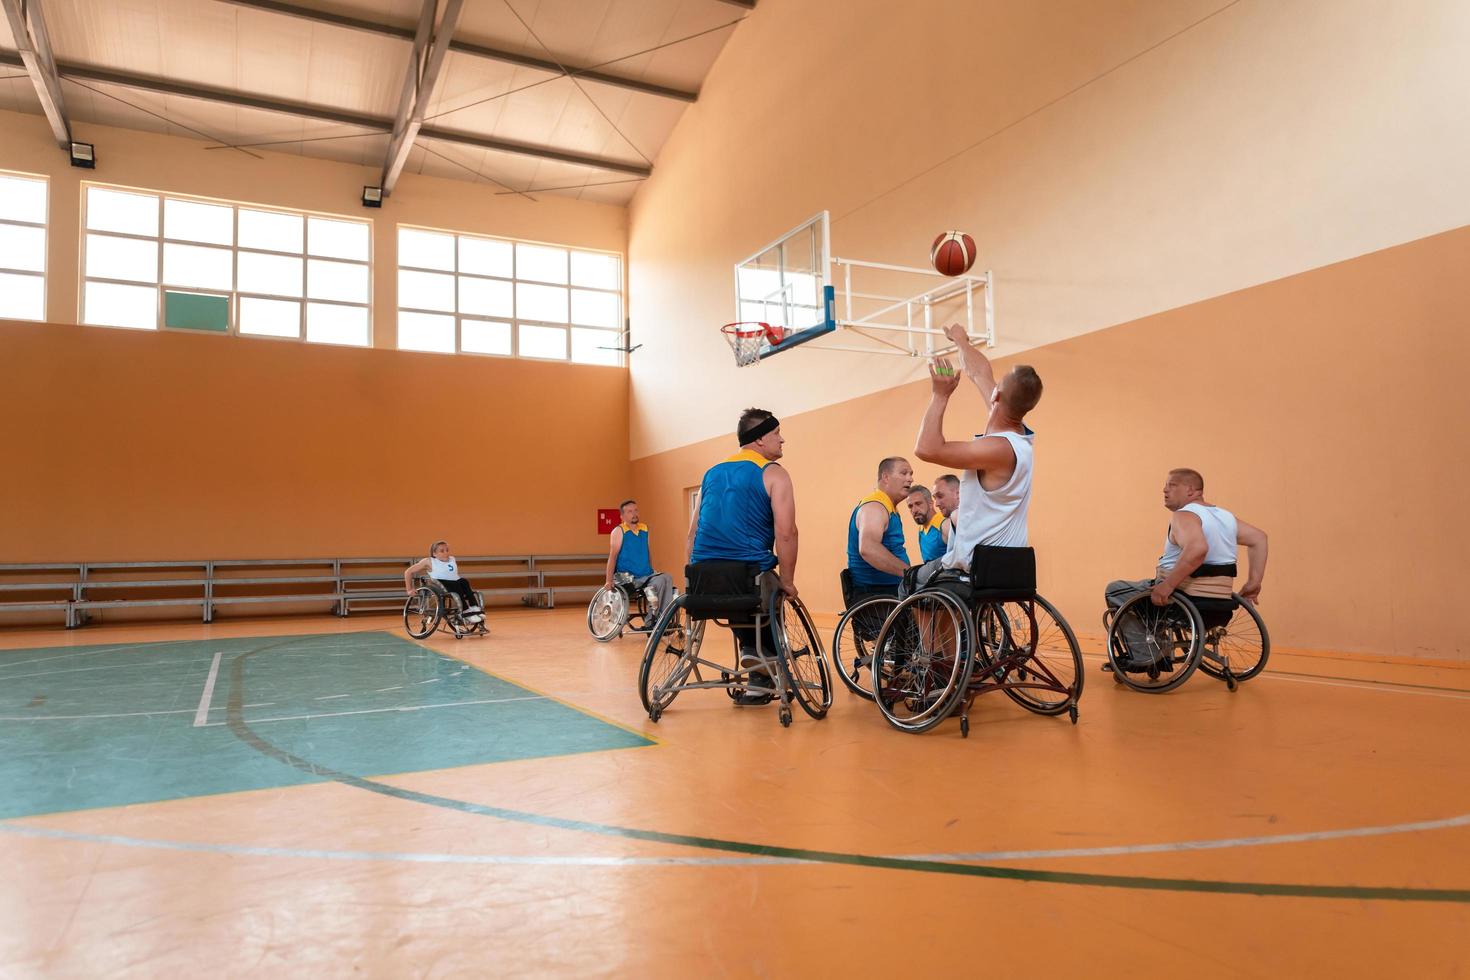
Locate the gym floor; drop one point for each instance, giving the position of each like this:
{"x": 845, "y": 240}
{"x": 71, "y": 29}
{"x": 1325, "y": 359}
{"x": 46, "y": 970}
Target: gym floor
{"x": 310, "y": 793}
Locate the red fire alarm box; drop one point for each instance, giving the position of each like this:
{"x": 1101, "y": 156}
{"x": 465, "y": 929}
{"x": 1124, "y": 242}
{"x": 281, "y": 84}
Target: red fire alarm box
{"x": 607, "y": 519}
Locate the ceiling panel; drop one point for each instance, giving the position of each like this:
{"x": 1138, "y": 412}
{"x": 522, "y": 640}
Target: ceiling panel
{"x": 122, "y": 34}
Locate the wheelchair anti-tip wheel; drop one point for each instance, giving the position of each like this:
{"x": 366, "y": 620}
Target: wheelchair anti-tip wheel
{"x": 855, "y": 639}
{"x": 1155, "y": 648}
{"x": 1242, "y": 644}
{"x": 607, "y": 614}
{"x": 422, "y": 612}
{"x": 923, "y": 661}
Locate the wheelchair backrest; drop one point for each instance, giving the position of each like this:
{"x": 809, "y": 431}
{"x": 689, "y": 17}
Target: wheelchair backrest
{"x": 717, "y": 588}
{"x": 993, "y": 567}
{"x": 846, "y": 580}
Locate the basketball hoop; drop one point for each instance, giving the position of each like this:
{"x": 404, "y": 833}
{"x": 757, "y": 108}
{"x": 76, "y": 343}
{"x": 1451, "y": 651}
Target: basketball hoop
{"x": 747, "y": 339}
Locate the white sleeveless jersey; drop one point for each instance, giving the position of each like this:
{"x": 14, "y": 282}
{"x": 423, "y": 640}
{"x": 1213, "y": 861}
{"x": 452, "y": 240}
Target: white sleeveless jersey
{"x": 1219, "y": 526}
{"x": 448, "y": 570}
{"x": 993, "y": 517}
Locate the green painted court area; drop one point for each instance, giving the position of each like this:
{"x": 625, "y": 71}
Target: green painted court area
{"x": 86, "y": 727}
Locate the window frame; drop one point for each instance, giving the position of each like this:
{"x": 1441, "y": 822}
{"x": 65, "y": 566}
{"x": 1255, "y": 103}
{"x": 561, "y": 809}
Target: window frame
{"x": 514, "y": 321}
{"x": 45, "y": 226}
{"x": 235, "y": 294}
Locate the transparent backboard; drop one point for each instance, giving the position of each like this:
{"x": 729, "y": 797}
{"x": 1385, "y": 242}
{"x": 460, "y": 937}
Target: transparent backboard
{"x": 785, "y": 285}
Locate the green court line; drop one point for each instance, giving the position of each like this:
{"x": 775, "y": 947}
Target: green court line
{"x": 237, "y": 724}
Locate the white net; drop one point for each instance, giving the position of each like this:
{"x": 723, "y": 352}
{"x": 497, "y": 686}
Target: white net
{"x": 746, "y": 340}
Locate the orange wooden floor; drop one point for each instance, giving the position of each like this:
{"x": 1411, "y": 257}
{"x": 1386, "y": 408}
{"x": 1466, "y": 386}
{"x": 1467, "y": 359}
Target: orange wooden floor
{"x": 1316, "y": 823}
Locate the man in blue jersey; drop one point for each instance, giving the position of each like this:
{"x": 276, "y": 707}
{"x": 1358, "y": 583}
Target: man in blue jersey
{"x": 627, "y": 552}
{"x": 876, "y": 557}
{"x": 747, "y": 512}
{"x": 933, "y": 524}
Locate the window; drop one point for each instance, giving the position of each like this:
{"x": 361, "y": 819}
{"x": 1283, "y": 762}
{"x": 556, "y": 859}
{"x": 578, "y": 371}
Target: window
{"x": 152, "y": 260}
{"x": 467, "y": 294}
{"x": 22, "y": 247}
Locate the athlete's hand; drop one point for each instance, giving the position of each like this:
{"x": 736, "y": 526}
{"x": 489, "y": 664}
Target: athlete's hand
{"x": 956, "y": 334}
{"x": 1252, "y": 591}
{"x": 789, "y": 588}
{"x": 943, "y": 378}
{"x": 607, "y": 584}
{"x": 408, "y": 590}
{"x": 1160, "y": 594}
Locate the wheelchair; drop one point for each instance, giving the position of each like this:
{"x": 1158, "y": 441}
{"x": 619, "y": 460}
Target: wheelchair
{"x": 965, "y": 635}
{"x": 736, "y": 595}
{"x": 1156, "y": 648}
{"x": 622, "y": 607}
{"x": 433, "y": 607}
{"x": 856, "y": 636}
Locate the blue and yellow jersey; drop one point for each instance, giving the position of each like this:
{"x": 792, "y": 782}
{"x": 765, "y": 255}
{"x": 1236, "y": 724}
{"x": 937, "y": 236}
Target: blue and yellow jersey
{"x": 735, "y": 519}
{"x": 862, "y": 572}
{"x": 931, "y": 538}
{"x": 633, "y": 553}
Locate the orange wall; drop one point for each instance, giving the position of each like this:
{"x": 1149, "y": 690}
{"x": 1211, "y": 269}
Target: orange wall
{"x": 1330, "y": 408}
{"x": 123, "y": 445}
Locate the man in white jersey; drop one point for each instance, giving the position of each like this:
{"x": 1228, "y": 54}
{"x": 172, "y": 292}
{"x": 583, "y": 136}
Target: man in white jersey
{"x": 1199, "y": 550}
{"x": 995, "y": 491}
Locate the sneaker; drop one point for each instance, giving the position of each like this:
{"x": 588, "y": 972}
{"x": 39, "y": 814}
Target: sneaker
{"x": 474, "y": 618}
{"x": 474, "y": 609}
{"x": 755, "y": 698}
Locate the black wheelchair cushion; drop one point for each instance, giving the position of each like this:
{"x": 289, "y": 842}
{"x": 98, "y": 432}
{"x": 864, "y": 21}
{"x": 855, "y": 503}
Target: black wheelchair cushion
{"x": 1012, "y": 570}
{"x": 718, "y": 588}
{"x": 1214, "y": 612}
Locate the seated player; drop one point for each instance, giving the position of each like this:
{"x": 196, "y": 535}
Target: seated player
{"x": 995, "y": 493}
{"x": 1200, "y": 548}
{"x": 747, "y": 512}
{"x": 933, "y": 527}
{"x": 876, "y": 557}
{"x": 947, "y": 501}
{"x": 444, "y": 568}
{"x": 627, "y": 551}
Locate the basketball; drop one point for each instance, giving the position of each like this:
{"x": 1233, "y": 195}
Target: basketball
{"x": 953, "y": 253}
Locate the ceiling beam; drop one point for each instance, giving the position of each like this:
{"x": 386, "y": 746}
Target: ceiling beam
{"x": 34, "y": 46}
{"x": 420, "y": 76}
{"x": 163, "y": 86}
{"x": 481, "y": 51}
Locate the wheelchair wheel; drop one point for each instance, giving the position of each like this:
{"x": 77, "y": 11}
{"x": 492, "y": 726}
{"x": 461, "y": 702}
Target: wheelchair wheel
{"x": 922, "y": 664}
{"x": 607, "y": 614}
{"x": 802, "y": 660}
{"x": 855, "y": 639}
{"x": 1242, "y": 643}
{"x": 664, "y": 669}
{"x": 1169, "y": 640}
{"x": 1054, "y": 656}
{"x": 422, "y": 612}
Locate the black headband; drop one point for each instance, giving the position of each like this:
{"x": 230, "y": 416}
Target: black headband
{"x": 759, "y": 429}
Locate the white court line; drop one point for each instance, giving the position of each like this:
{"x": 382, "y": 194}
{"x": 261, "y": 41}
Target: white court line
{"x": 331, "y": 697}
{"x": 121, "y": 714}
{"x": 432, "y": 680}
{"x": 375, "y": 711}
{"x": 64, "y": 656}
{"x": 1383, "y": 687}
{"x": 202, "y": 715}
{"x": 384, "y": 690}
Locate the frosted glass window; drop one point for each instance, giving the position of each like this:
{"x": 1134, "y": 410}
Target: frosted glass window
{"x": 425, "y": 290}
{"x": 122, "y": 258}
{"x": 595, "y": 346}
{"x": 425, "y": 249}
{"x": 337, "y": 239}
{"x": 595, "y": 309}
{"x": 191, "y": 221}
{"x": 22, "y": 199}
{"x": 22, "y": 248}
{"x": 426, "y": 331}
{"x": 270, "y": 317}
{"x": 484, "y": 337}
{"x": 597, "y": 270}
{"x": 343, "y": 281}
{"x": 124, "y": 211}
{"x": 548, "y": 342}
{"x": 22, "y": 297}
{"x": 276, "y": 275}
{"x": 271, "y": 230}
{"x": 541, "y": 263}
{"x": 329, "y": 323}
{"x": 197, "y": 266}
{"x": 111, "y": 305}
{"x": 535, "y": 302}
{"x": 486, "y": 257}
{"x": 486, "y": 297}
